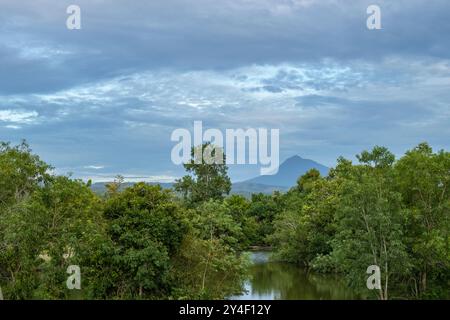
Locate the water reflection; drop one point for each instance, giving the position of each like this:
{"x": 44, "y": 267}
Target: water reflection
{"x": 274, "y": 280}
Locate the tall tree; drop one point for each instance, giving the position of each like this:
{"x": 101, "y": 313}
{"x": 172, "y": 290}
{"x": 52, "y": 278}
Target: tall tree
{"x": 370, "y": 225}
{"x": 423, "y": 179}
{"x": 207, "y": 180}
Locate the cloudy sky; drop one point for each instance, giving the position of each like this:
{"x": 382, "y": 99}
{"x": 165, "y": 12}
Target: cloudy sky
{"x": 105, "y": 99}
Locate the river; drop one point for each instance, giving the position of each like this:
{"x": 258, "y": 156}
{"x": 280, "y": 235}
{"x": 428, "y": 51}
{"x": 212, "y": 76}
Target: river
{"x": 276, "y": 280}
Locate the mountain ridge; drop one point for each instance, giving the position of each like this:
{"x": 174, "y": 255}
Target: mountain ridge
{"x": 286, "y": 177}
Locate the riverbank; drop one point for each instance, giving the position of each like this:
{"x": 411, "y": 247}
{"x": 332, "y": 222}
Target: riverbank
{"x": 270, "y": 280}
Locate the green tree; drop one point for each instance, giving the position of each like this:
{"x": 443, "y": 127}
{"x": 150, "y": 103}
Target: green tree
{"x": 423, "y": 179}
{"x": 209, "y": 264}
{"x": 264, "y": 208}
{"x": 146, "y": 229}
{"x": 208, "y": 269}
{"x": 238, "y": 206}
{"x": 213, "y": 220}
{"x": 60, "y": 224}
{"x": 208, "y": 177}
{"x": 369, "y": 228}
{"x": 305, "y": 228}
{"x": 21, "y": 172}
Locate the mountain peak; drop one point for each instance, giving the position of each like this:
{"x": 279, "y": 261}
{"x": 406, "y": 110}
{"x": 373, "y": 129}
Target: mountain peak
{"x": 289, "y": 171}
{"x": 293, "y": 158}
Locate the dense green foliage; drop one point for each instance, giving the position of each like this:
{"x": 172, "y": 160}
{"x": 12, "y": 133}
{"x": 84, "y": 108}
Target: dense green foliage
{"x": 136, "y": 243}
{"x": 393, "y": 214}
{"x": 143, "y": 242}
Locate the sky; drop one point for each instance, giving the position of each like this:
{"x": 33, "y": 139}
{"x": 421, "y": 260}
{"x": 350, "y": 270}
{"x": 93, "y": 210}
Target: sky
{"x": 104, "y": 100}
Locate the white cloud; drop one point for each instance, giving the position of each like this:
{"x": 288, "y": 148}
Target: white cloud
{"x": 93, "y": 167}
{"x": 18, "y": 116}
{"x": 12, "y": 126}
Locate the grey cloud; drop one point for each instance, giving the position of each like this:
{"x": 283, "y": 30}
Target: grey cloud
{"x": 112, "y": 92}
{"x": 117, "y": 38}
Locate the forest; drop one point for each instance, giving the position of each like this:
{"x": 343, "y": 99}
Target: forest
{"x": 145, "y": 242}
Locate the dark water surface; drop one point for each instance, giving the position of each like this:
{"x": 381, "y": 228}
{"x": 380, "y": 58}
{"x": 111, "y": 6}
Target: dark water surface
{"x": 276, "y": 280}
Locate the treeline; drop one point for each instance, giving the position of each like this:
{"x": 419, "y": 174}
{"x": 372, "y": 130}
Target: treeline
{"x": 140, "y": 243}
{"x": 382, "y": 212}
{"x": 144, "y": 242}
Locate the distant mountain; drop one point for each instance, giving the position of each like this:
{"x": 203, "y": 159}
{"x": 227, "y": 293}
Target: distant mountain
{"x": 288, "y": 172}
{"x": 286, "y": 177}
{"x": 247, "y": 188}
{"x": 100, "y": 187}
{"x": 244, "y": 189}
